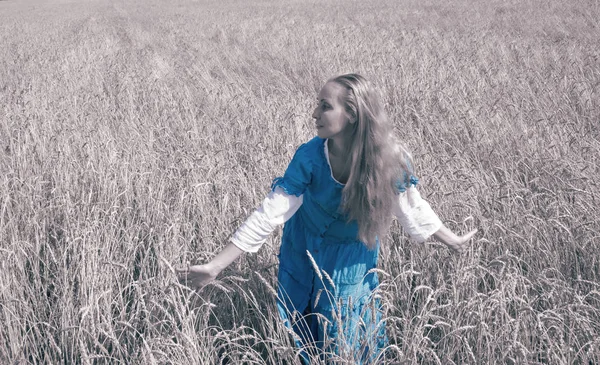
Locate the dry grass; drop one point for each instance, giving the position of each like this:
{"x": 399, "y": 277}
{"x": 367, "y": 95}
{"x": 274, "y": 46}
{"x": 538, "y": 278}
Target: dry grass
{"x": 137, "y": 135}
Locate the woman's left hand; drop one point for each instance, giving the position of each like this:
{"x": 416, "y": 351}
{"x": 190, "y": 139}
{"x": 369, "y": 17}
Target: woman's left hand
{"x": 460, "y": 243}
{"x": 456, "y": 243}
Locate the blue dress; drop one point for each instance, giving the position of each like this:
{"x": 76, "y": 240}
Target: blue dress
{"x": 325, "y": 280}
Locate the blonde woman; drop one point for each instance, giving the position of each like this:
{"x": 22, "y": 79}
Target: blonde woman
{"x": 337, "y": 196}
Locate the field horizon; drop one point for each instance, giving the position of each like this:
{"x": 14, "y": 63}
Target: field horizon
{"x": 136, "y": 136}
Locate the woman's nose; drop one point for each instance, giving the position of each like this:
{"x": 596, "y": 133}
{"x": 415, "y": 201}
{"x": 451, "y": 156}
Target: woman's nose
{"x": 314, "y": 114}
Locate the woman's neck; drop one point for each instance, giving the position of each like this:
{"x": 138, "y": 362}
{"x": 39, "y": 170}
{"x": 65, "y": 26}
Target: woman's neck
{"x": 339, "y": 161}
{"x": 337, "y": 147}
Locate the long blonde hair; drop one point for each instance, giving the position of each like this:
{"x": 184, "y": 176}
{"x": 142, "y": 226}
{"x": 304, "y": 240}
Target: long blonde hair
{"x": 377, "y": 160}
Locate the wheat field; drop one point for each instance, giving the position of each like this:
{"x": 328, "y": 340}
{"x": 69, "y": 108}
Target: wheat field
{"x": 136, "y": 136}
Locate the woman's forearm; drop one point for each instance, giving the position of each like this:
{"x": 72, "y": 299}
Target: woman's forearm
{"x": 276, "y": 209}
{"x": 445, "y": 236}
{"x": 224, "y": 258}
{"x": 450, "y": 239}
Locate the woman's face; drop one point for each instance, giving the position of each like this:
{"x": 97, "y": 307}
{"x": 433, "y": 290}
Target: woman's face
{"x": 330, "y": 116}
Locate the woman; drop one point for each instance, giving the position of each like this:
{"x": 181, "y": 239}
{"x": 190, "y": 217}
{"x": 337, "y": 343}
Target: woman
{"x": 336, "y": 198}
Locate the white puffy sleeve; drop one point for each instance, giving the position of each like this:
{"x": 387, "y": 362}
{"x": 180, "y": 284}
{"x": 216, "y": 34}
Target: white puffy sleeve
{"x": 275, "y": 210}
{"x": 415, "y": 215}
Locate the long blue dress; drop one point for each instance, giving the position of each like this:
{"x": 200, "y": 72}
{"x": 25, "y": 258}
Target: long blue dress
{"x": 325, "y": 282}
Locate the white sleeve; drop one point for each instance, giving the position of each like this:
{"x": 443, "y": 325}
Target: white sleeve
{"x": 415, "y": 215}
{"x": 275, "y": 210}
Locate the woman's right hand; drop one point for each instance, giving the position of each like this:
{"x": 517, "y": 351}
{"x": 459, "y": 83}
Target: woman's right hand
{"x": 197, "y": 276}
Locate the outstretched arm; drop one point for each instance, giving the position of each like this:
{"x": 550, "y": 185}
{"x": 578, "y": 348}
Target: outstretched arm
{"x": 454, "y": 242}
{"x": 420, "y": 221}
{"x": 198, "y": 276}
{"x": 275, "y": 210}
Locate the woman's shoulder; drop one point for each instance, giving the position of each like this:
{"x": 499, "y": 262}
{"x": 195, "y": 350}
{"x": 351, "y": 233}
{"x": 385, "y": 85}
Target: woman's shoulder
{"x": 314, "y": 143}
{"x": 299, "y": 172}
{"x": 311, "y": 148}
